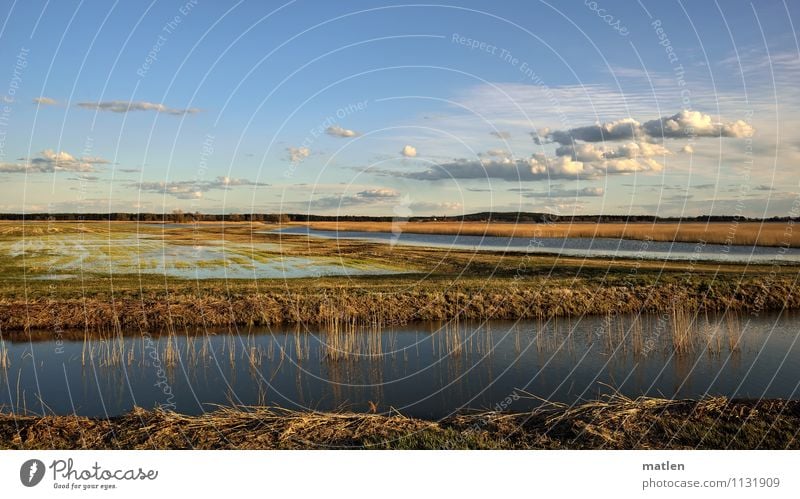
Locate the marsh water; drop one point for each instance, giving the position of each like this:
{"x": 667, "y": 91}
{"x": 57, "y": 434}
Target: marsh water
{"x": 69, "y": 256}
{"x": 571, "y": 246}
{"x": 426, "y": 370}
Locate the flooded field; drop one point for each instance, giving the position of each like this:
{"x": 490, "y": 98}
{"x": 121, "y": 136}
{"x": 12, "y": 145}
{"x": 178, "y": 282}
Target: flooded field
{"x": 172, "y": 250}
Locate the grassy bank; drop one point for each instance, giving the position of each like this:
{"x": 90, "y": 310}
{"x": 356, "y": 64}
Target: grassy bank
{"x": 618, "y": 423}
{"x": 395, "y": 301}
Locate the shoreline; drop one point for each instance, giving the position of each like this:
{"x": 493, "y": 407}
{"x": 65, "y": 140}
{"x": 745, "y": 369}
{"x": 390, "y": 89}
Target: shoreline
{"x": 613, "y": 423}
{"x": 373, "y": 302}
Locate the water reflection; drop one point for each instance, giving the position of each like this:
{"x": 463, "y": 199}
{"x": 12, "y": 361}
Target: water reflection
{"x": 426, "y": 369}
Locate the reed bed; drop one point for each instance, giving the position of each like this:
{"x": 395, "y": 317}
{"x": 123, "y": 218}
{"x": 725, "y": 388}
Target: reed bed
{"x": 615, "y": 422}
{"x": 384, "y": 305}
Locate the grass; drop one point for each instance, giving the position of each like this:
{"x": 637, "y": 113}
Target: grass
{"x": 732, "y": 233}
{"x": 382, "y": 301}
{"x": 613, "y": 423}
{"x": 437, "y": 284}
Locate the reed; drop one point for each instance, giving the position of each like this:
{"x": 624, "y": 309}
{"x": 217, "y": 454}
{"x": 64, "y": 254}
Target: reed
{"x": 367, "y": 303}
{"x": 682, "y": 327}
{"x": 637, "y": 337}
{"x": 171, "y": 354}
{"x": 734, "y": 330}
{"x": 5, "y": 363}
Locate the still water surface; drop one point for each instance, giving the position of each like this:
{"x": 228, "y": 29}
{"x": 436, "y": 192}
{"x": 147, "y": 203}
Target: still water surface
{"x": 571, "y": 246}
{"x": 424, "y": 369}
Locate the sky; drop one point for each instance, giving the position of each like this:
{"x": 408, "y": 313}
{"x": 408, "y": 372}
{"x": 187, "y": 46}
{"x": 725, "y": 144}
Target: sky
{"x": 670, "y": 108}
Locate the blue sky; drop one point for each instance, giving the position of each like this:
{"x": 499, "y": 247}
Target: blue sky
{"x": 377, "y": 107}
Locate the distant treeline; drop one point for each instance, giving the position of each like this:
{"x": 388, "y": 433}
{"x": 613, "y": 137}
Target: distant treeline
{"x": 510, "y": 217}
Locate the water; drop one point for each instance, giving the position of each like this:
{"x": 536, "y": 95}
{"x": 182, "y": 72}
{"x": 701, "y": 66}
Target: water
{"x": 68, "y": 256}
{"x": 426, "y": 370}
{"x": 572, "y": 246}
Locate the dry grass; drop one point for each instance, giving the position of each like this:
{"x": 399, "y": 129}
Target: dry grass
{"x": 613, "y": 423}
{"x": 4, "y": 362}
{"x": 743, "y": 233}
{"x": 683, "y": 325}
{"x": 380, "y": 304}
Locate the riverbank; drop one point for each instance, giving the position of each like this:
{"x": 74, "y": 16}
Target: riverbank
{"x": 391, "y": 301}
{"x": 616, "y": 423}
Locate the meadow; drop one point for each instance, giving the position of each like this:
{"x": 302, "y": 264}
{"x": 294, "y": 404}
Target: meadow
{"x": 102, "y": 275}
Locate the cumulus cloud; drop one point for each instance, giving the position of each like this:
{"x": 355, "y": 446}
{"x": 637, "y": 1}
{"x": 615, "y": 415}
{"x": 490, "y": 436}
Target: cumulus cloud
{"x": 687, "y": 149}
{"x": 409, "y": 151}
{"x": 695, "y": 124}
{"x": 624, "y": 129}
{"x": 540, "y": 136}
{"x": 191, "y": 189}
{"x": 598, "y": 155}
{"x": 683, "y": 124}
{"x": 337, "y": 131}
{"x": 45, "y": 101}
{"x": 298, "y": 154}
{"x": 536, "y": 167}
{"x": 120, "y": 106}
{"x": 50, "y": 161}
{"x": 506, "y": 169}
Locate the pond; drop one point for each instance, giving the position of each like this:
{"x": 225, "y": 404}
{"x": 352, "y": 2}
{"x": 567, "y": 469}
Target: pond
{"x": 428, "y": 370}
{"x": 571, "y": 246}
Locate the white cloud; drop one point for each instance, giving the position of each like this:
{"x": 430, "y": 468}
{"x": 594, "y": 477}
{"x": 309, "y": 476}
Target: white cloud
{"x": 687, "y": 149}
{"x": 337, "y": 131}
{"x": 695, "y": 124}
{"x": 581, "y": 161}
{"x": 298, "y": 154}
{"x": 587, "y": 152}
{"x": 501, "y": 135}
{"x": 50, "y": 161}
{"x": 683, "y": 124}
{"x": 45, "y": 101}
{"x": 537, "y": 167}
{"x": 119, "y": 106}
{"x": 409, "y": 151}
